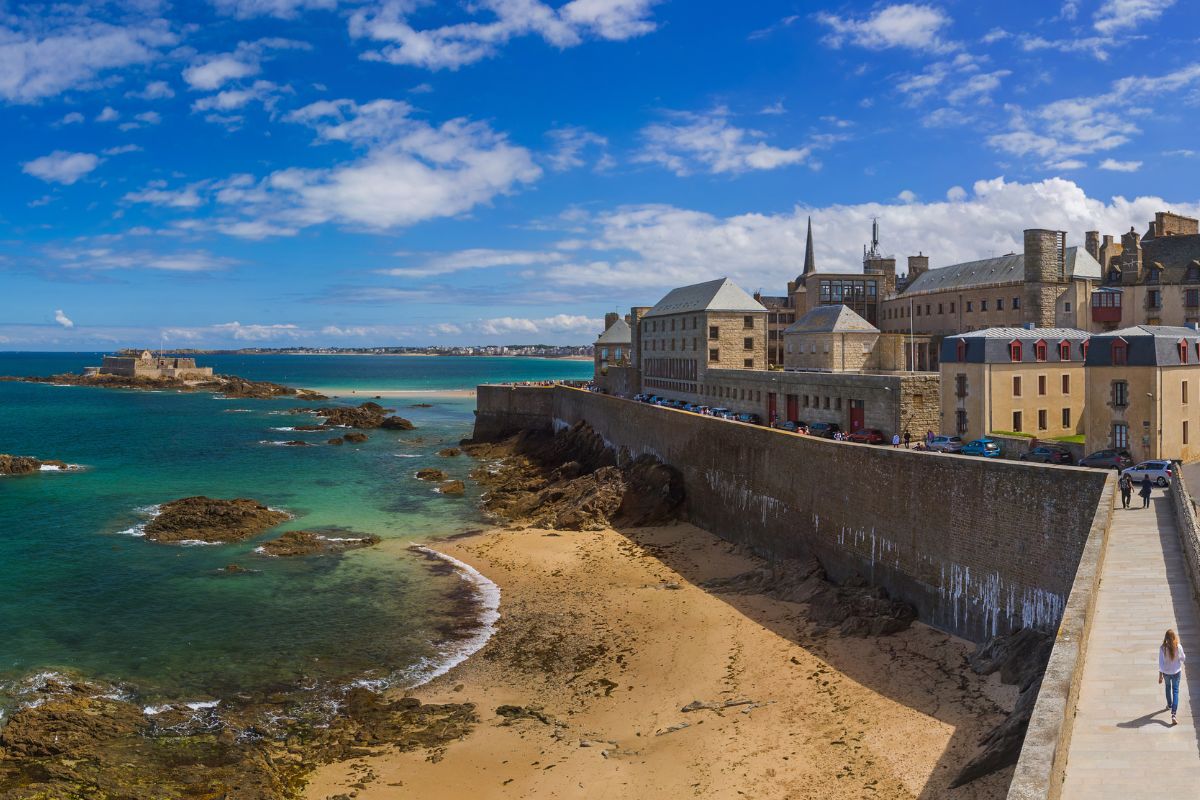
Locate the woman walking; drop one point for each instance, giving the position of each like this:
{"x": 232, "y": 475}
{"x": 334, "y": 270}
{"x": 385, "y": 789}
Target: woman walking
{"x": 1125, "y": 484}
{"x": 1145, "y": 491}
{"x": 1170, "y": 669}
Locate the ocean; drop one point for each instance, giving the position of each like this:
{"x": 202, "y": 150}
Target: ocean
{"x": 82, "y": 593}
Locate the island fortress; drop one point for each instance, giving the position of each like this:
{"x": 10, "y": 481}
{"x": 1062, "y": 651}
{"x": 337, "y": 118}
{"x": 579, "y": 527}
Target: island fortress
{"x": 144, "y": 364}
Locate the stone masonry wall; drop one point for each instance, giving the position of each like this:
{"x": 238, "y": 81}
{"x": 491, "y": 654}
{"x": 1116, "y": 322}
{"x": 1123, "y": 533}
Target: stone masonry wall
{"x": 979, "y": 547}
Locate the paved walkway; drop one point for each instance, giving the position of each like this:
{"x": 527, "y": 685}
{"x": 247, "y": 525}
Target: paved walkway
{"x": 1123, "y": 745}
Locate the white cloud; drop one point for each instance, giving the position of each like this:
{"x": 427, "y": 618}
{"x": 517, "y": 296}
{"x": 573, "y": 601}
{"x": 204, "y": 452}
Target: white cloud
{"x": 456, "y": 45}
{"x": 101, "y": 258}
{"x": 978, "y": 87}
{"x": 73, "y": 118}
{"x": 708, "y": 142}
{"x": 212, "y": 72}
{"x": 61, "y": 166}
{"x": 907, "y": 196}
{"x": 63, "y": 319}
{"x": 259, "y": 333}
{"x": 155, "y": 90}
{"x": 995, "y": 35}
{"x": 559, "y": 323}
{"x": 1112, "y": 165}
{"x": 334, "y": 330}
{"x": 570, "y": 143}
{"x": 1068, "y": 164}
{"x": 109, "y": 114}
{"x": 60, "y": 48}
{"x": 956, "y": 194}
{"x": 121, "y": 150}
{"x": 908, "y": 25}
{"x": 477, "y": 258}
{"x": 264, "y": 92}
{"x": 775, "y": 109}
{"x": 157, "y": 194}
{"x": 1115, "y": 17}
{"x": 283, "y": 9}
{"x": 1095, "y": 46}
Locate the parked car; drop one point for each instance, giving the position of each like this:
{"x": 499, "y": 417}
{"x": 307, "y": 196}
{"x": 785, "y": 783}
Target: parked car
{"x": 867, "y": 436}
{"x": 946, "y": 444}
{"x": 723, "y": 413}
{"x": 981, "y": 447}
{"x": 1159, "y": 472}
{"x": 1108, "y": 459}
{"x": 788, "y": 425}
{"x": 751, "y": 419}
{"x": 825, "y": 430}
{"x": 1049, "y": 454}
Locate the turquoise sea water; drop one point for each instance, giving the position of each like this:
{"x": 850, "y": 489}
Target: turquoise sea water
{"x": 79, "y": 591}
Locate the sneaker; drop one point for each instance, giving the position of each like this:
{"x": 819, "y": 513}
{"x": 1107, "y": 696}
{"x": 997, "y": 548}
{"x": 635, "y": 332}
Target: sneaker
{"x": 1173, "y": 722}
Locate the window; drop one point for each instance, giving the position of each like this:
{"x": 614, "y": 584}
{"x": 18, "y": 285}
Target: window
{"x": 939, "y": 308}
{"x": 714, "y": 332}
{"x": 1016, "y": 303}
{"x": 1017, "y": 421}
{"x": 1041, "y": 419}
{"x": 748, "y": 323}
{"x": 999, "y": 303}
{"x": 1120, "y": 435}
{"x": 1066, "y": 384}
{"x": 1191, "y": 298}
{"x": 1184, "y": 392}
{"x": 960, "y": 385}
{"x": 927, "y": 309}
{"x": 1014, "y": 350}
{"x": 1183, "y": 352}
{"x": 918, "y": 311}
{"x": 826, "y": 402}
{"x": 748, "y": 343}
{"x": 748, "y": 363}
{"x": 983, "y": 305}
{"x": 672, "y": 324}
{"x": 952, "y": 308}
{"x": 1083, "y": 348}
{"x": 714, "y": 355}
{"x": 1016, "y": 386}
{"x": 1120, "y": 394}
{"x": 1039, "y": 350}
{"x": 960, "y": 421}
{"x": 1185, "y": 432}
{"x": 1064, "y": 350}
{"x": 968, "y": 305}
{"x": 1066, "y": 418}
{"x": 1154, "y": 298}
{"x": 1041, "y": 384}
{"x": 960, "y": 350}
{"x": 1067, "y": 306}
{"x": 1120, "y": 353}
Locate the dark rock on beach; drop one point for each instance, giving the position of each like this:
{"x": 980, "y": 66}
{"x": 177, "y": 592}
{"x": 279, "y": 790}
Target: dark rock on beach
{"x": 450, "y": 452}
{"x": 24, "y": 465}
{"x": 307, "y": 543}
{"x": 211, "y": 520}
{"x": 365, "y": 416}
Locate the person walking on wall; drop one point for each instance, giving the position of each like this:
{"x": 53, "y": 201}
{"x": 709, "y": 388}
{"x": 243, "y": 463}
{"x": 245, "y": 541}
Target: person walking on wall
{"x": 907, "y": 440}
{"x": 895, "y": 440}
{"x": 1125, "y": 484}
{"x": 1170, "y": 669}
{"x": 1145, "y": 491}
{"x": 928, "y": 438}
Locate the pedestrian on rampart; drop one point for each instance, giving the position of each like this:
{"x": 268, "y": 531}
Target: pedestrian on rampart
{"x": 895, "y": 440}
{"x": 1170, "y": 670}
{"x": 907, "y": 440}
{"x": 1145, "y": 491}
{"x": 1125, "y": 484}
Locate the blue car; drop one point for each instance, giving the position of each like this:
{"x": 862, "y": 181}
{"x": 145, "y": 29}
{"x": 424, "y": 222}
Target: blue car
{"x": 981, "y": 447}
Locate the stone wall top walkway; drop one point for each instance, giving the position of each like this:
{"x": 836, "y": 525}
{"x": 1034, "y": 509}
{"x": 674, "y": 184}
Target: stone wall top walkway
{"x": 1122, "y": 743}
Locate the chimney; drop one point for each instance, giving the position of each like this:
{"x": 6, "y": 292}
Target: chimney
{"x": 610, "y": 319}
{"x": 918, "y": 265}
{"x": 1092, "y": 244}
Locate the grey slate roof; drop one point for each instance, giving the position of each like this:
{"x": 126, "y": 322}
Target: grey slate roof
{"x": 719, "y": 295}
{"x": 1147, "y": 346}
{"x": 1003, "y": 269}
{"x": 831, "y": 319}
{"x": 990, "y": 346}
{"x": 618, "y": 333}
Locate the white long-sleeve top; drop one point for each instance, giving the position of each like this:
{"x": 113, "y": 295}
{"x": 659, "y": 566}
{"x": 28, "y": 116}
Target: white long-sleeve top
{"x": 1168, "y": 665}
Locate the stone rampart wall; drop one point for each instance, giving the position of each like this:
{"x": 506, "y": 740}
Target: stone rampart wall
{"x": 979, "y": 547}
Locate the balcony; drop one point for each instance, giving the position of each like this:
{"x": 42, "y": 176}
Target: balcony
{"x": 1106, "y": 313}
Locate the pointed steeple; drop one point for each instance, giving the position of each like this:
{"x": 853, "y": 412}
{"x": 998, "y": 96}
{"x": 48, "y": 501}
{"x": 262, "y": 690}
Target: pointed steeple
{"x": 810, "y": 261}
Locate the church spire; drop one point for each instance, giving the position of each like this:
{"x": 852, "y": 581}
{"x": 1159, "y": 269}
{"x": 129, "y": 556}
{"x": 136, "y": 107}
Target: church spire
{"x": 810, "y": 262}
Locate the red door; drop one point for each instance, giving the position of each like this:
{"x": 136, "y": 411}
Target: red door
{"x": 856, "y": 418}
{"x": 771, "y": 408}
{"x": 793, "y": 408}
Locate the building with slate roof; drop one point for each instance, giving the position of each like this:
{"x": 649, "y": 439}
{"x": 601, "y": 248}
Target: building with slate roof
{"x": 1142, "y": 387}
{"x": 830, "y": 339}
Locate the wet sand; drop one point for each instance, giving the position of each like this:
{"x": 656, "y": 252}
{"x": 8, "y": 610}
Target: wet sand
{"x": 608, "y": 636}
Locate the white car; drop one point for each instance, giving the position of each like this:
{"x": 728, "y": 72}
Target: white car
{"x": 1159, "y": 472}
{"x": 946, "y": 444}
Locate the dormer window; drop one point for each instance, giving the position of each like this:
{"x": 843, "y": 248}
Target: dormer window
{"x": 1183, "y": 352}
{"x": 961, "y": 350}
{"x": 1114, "y": 276}
{"x": 1039, "y": 350}
{"x": 1193, "y": 273}
{"x": 1083, "y": 348}
{"x": 1153, "y": 274}
{"x": 1064, "y": 350}
{"x": 1120, "y": 352}
{"x": 1014, "y": 350}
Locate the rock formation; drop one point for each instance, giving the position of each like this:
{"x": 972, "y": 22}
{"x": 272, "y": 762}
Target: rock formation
{"x": 307, "y": 543}
{"x": 23, "y": 465}
{"x": 449, "y": 452}
{"x": 452, "y": 487}
{"x": 365, "y": 416}
{"x": 356, "y": 438}
{"x": 207, "y": 519}
{"x": 571, "y": 481}
{"x": 431, "y": 474}
{"x": 228, "y": 385}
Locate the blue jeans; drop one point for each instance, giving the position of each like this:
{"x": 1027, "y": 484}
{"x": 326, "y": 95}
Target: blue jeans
{"x": 1171, "y": 685}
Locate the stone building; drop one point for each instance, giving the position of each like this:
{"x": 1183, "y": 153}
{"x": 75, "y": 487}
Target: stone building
{"x": 1009, "y": 379}
{"x": 830, "y": 339}
{"x": 144, "y": 364}
{"x": 613, "y": 357}
{"x": 780, "y": 314}
{"x": 1148, "y": 280}
{"x": 1143, "y": 384}
{"x": 862, "y": 292}
{"x": 695, "y": 329}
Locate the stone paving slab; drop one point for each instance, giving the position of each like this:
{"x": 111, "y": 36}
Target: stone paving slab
{"x": 1122, "y": 742}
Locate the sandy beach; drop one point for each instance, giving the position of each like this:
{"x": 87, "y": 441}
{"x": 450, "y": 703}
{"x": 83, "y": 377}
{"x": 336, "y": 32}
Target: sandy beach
{"x": 604, "y": 639}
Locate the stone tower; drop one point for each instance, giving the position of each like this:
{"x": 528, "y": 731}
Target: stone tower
{"x": 1045, "y": 276}
{"x": 1131, "y": 258}
{"x": 918, "y": 265}
{"x": 1092, "y": 244}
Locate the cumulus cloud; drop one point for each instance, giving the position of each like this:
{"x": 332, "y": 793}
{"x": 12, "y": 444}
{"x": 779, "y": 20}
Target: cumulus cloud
{"x": 1112, "y": 165}
{"x": 155, "y": 90}
{"x": 63, "y": 319}
{"x": 99, "y": 257}
{"x": 61, "y": 48}
{"x": 476, "y": 258}
{"x": 259, "y": 333}
{"x": 282, "y": 9}
{"x": 559, "y": 323}
{"x": 709, "y": 142}
{"x": 211, "y": 72}
{"x": 571, "y": 143}
{"x": 61, "y": 166}
{"x": 906, "y": 25}
{"x": 108, "y": 114}
{"x": 1122, "y": 16}
{"x": 155, "y": 193}
{"x": 73, "y": 118}
{"x": 456, "y": 45}
{"x": 264, "y": 92}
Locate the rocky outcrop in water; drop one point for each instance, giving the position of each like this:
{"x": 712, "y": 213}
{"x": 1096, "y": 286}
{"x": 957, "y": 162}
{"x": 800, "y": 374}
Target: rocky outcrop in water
{"x": 24, "y": 465}
{"x": 208, "y": 519}
{"x": 228, "y": 385}
{"x": 308, "y": 543}
{"x": 449, "y": 452}
{"x": 1021, "y": 659}
{"x": 453, "y": 488}
{"x": 76, "y": 743}
{"x": 571, "y": 481}
{"x": 431, "y": 474}
{"x": 356, "y": 438}
{"x": 364, "y": 416}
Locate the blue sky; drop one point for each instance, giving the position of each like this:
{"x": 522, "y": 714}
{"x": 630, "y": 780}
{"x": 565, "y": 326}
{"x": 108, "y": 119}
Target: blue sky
{"x": 274, "y": 172}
